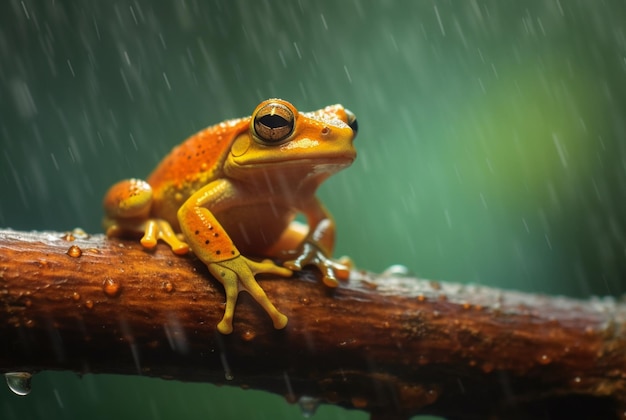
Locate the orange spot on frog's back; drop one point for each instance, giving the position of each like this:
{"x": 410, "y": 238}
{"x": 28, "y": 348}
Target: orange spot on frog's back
{"x": 202, "y": 152}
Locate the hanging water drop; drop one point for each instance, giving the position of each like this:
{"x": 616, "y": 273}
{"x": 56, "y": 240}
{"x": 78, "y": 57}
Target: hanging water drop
{"x": 308, "y": 405}
{"x": 19, "y": 382}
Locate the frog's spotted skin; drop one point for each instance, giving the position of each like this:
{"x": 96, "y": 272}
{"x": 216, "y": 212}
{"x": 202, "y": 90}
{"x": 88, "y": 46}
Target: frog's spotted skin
{"x": 231, "y": 192}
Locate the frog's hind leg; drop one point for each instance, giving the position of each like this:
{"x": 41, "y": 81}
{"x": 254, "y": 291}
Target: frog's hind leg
{"x": 289, "y": 241}
{"x": 127, "y": 205}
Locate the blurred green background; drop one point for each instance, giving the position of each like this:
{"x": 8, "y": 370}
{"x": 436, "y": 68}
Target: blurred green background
{"x": 492, "y": 142}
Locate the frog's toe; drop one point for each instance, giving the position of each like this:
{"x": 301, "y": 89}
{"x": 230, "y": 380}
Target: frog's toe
{"x": 167, "y": 234}
{"x": 148, "y": 242}
{"x": 342, "y": 267}
{"x": 268, "y": 266}
{"x": 307, "y": 256}
{"x": 293, "y": 265}
{"x": 279, "y": 320}
{"x": 180, "y": 249}
{"x": 225, "y": 326}
{"x": 150, "y": 234}
{"x": 332, "y": 271}
{"x": 329, "y": 278}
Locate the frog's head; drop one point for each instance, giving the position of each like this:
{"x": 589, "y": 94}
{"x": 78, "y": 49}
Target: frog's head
{"x": 293, "y": 145}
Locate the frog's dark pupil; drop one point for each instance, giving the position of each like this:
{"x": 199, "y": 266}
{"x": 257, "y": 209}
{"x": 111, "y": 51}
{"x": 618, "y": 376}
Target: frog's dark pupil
{"x": 273, "y": 121}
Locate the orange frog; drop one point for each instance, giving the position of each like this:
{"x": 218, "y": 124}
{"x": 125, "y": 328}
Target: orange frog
{"x": 234, "y": 189}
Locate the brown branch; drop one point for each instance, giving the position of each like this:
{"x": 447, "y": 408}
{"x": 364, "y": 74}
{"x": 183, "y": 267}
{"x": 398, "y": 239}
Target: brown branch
{"x": 381, "y": 344}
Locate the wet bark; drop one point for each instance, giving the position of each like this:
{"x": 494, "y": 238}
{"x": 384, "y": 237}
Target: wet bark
{"x": 388, "y": 345}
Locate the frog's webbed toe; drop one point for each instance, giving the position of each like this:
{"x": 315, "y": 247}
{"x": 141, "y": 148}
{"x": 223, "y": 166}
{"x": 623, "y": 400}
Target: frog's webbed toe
{"x": 155, "y": 229}
{"x": 237, "y": 274}
{"x": 332, "y": 271}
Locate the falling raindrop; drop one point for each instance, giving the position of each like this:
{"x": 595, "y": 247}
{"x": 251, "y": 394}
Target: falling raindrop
{"x": 19, "y": 382}
{"x": 308, "y": 405}
{"x": 228, "y": 374}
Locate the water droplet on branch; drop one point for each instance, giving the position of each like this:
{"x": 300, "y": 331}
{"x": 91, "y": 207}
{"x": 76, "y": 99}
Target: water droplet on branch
{"x": 19, "y": 382}
{"x": 308, "y": 405}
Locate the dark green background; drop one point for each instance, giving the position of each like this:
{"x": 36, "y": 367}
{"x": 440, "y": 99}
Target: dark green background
{"x": 491, "y": 147}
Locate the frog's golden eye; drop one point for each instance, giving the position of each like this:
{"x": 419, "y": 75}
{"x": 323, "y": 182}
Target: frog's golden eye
{"x": 352, "y": 123}
{"x": 273, "y": 123}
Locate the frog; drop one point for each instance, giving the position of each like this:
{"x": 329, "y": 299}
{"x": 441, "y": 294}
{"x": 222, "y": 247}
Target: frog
{"x": 231, "y": 195}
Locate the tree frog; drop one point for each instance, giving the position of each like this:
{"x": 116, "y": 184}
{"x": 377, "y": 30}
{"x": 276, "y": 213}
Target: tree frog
{"x": 230, "y": 193}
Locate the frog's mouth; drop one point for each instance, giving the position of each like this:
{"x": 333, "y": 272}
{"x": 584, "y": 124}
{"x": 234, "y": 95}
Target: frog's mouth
{"x": 307, "y": 161}
{"x": 305, "y": 151}
{"x": 315, "y": 166}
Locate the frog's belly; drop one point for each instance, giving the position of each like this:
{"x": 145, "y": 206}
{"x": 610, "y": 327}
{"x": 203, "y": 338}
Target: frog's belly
{"x": 254, "y": 229}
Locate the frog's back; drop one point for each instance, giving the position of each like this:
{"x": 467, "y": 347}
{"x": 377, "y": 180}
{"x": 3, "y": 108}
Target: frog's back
{"x": 191, "y": 165}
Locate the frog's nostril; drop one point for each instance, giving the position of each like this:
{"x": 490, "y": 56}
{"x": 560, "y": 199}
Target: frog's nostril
{"x": 325, "y": 131}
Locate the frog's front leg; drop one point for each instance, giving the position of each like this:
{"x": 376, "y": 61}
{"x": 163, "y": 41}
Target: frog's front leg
{"x": 318, "y": 246}
{"x": 127, "y": 206}
{"x": 211, "y": 244}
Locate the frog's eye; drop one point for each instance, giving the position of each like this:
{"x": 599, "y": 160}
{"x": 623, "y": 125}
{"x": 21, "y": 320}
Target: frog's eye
{"x": 352, "y": 122}
{"x": 274, "y": 122}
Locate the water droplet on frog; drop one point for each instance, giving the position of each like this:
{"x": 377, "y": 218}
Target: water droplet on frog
{"x": 396, "y": 270}
{"x": 19, "y": 382}
{"x": 308, "y": 405}
{"x": 111, "y": 287}
{"x": 74, "y": 251}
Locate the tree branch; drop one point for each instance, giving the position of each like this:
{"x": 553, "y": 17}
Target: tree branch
{"x": 390, "y": 346}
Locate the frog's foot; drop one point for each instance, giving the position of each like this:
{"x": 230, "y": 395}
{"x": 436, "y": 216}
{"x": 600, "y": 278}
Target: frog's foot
{"x": 237, "y": 274}
{"x": 156, "y": 229}
{"x": 331, "y": 270}
{"x": 127, "y": 205}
